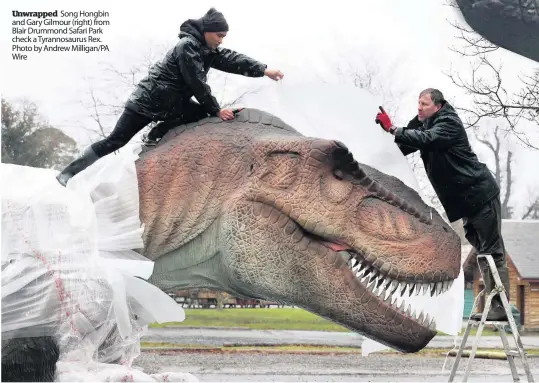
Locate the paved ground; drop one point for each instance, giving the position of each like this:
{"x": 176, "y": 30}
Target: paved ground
{"x": 263, "y": 367}
{"x": 241, "y": 367}
{"x": 220, "y": 337}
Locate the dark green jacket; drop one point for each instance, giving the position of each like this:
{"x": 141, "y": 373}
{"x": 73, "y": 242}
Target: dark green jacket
{"x": 463, "y": 183}
{"x": 182, "y": 73}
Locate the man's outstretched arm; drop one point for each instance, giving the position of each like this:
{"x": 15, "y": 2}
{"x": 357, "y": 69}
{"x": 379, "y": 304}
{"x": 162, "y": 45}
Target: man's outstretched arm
{"x": 443, "y": 134}
{"x": 233, "y": 62}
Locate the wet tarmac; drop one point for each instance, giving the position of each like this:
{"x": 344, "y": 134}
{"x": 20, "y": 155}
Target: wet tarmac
{"x": 221, "y": 337}
{"x": 260, "y": 367}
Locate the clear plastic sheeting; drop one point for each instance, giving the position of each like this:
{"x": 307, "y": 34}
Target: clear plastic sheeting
{"x": 347, "y": 113}
{"x": 69, "y": 269}
{"x": 341, "y": 112}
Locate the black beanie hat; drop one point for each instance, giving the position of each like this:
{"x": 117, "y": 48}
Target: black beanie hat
{"x": 214, "y": 21}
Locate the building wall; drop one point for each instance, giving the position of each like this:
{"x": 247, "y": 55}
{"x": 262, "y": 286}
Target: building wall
{"x": 532, "y": 306}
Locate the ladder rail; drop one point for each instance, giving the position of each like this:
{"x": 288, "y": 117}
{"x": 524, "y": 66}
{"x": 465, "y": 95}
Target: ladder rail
{"x": 477, "y": 337}
{"x": 510, "y": 357}
{"x": 500, "y": 290}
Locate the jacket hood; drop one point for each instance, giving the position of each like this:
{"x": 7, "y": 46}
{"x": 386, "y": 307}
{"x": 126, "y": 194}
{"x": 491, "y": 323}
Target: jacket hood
{"x": 446, "y": 110}
{"x": 192, "y": 28}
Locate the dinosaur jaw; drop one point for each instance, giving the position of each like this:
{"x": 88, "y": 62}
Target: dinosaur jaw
{"x": 309, "y": 271}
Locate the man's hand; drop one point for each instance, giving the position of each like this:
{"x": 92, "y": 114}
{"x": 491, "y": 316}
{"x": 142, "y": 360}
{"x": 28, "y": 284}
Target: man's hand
{"x": 274, "y": 74}
{"x": 226, "y": 114}
{"x": 383, "y": 119}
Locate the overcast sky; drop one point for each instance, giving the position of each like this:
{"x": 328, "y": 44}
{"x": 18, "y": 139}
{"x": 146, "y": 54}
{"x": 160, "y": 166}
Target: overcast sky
{"x": 406, "y": 40}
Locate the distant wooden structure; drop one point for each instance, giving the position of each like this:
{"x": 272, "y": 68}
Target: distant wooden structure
{"x": 207, "y": 298}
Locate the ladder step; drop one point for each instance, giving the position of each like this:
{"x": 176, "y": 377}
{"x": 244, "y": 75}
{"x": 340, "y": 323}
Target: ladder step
{"x": 487, "y": 321}
{"x": 495, "y": 323}
{"x": 513, "y": 353}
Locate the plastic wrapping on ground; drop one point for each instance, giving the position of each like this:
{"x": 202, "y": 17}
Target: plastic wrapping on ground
{"x": 347, "y": 113}
{"x": 70, "y": 272}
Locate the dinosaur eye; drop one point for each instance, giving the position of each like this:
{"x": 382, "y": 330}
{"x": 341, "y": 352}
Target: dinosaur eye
{"x": 281, "y": 169}
{"x": 335, "y": 189}
{"x": 338, "y": 174}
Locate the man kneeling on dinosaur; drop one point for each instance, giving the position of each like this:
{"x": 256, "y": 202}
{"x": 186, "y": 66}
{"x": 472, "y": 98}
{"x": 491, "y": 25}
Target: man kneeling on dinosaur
{"x": 165, "y": 93}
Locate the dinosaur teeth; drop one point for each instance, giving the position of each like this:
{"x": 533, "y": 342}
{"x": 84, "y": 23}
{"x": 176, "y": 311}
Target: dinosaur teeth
{"x": 439, "y": 287}
{"x": 392, "y": 292}
{"x": 402, "y": 306}
{"x": 432, "y": 287}
{"x": 402, "y": 287}
{"x": 394, "y": 286}
{"x": 411, "y": 287}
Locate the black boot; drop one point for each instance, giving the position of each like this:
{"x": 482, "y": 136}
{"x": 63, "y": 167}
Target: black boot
{"x": 485, "y": 272}
{"x": 497, "y": 311}
{"x": 87, "y": 158}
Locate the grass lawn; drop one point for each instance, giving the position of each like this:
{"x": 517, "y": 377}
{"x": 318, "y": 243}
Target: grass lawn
{"x": 264, "y": 319}
{"x": 256, "y": 318}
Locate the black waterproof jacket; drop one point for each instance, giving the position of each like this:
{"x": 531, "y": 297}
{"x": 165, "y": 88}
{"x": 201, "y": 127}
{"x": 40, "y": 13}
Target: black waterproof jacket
{"x": 182, "y": 74}
{"x": 462, "y": 183}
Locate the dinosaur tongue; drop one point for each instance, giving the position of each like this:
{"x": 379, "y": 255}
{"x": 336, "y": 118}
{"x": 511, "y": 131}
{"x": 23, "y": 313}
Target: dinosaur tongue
{"x": 336, "y": 247}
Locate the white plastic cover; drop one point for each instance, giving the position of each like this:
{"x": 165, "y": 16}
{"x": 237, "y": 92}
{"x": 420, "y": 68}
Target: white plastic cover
{"x": 347, "y": 113}
{"x": 69, "y": 269}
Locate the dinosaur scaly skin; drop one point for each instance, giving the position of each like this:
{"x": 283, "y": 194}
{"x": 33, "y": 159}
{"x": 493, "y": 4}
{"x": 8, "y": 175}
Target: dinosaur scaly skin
{"x": 255, "y": 209}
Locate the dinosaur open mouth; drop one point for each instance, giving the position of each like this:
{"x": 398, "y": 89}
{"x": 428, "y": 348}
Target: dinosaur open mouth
{"x": 390, "y": 291}
{"x": 378, "y": 278}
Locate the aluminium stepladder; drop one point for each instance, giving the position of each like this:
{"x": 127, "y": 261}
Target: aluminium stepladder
{"x": 510, "y": 353}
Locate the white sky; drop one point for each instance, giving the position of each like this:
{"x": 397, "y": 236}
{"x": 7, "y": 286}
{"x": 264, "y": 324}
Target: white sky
{"x": 407, "y": 40}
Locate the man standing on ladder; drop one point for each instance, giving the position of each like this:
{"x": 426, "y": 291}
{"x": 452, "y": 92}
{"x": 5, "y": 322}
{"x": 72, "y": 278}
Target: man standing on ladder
{"x": 464, "y": 185}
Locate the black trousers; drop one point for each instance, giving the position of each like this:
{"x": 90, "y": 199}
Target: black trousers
{"x": 192, "y": 112}
{"x": 484, "y": 231}
{"x": 130, "y": 123}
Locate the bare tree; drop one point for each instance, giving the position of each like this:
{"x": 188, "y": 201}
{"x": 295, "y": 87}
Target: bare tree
{"x": 488, "y": 89}
{"x": 105, "y": 101}
{"x": 502, "y": 167}
{"x": 532, "y": 210}
{"x": 368, "y": 76}
{"x": 28, "y": 139}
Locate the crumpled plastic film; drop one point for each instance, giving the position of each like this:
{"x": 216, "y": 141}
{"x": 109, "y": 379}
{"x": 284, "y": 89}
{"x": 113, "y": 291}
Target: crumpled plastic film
{"x": 69, "y": 269}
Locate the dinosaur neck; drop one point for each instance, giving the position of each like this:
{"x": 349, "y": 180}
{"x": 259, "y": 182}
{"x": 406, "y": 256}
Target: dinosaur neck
{"x": 196, "y": 264}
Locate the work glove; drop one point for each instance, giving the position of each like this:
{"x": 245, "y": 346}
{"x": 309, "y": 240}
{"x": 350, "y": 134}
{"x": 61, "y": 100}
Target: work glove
{"x": 383, "y": 119}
